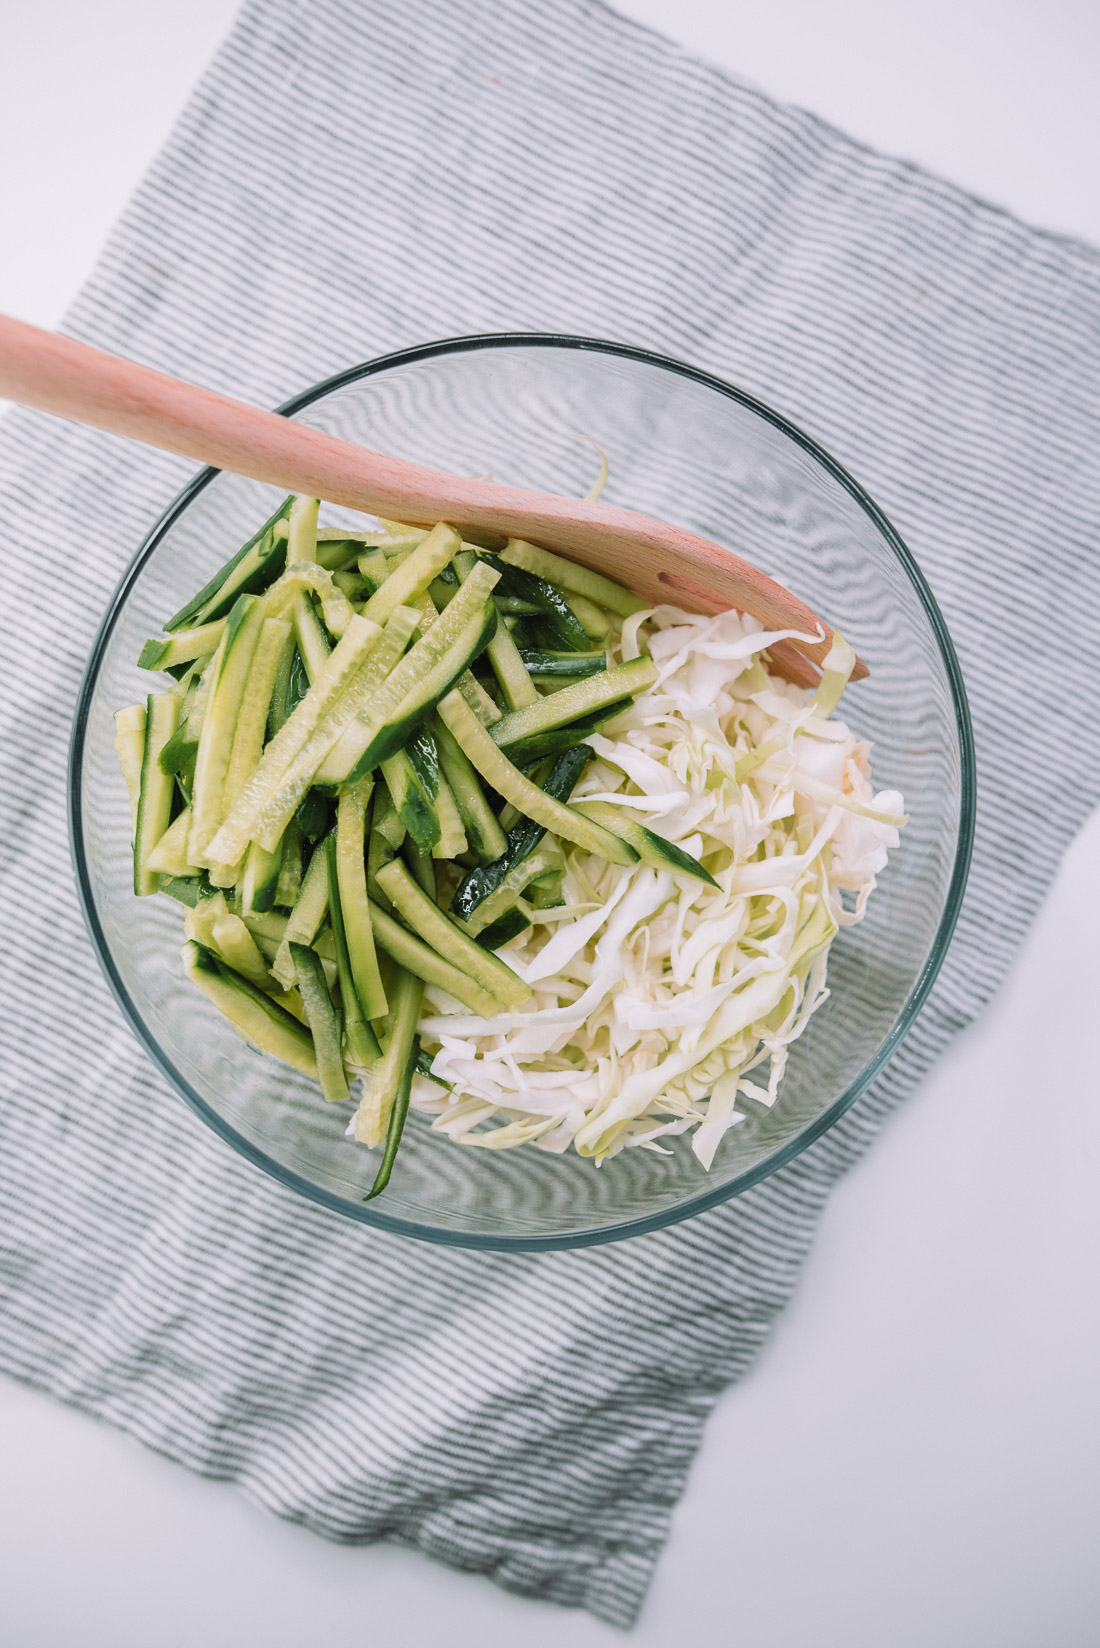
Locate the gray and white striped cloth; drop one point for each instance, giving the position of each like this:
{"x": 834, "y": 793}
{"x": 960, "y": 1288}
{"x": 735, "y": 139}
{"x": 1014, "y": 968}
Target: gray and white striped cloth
{"x": 356, "y": 175}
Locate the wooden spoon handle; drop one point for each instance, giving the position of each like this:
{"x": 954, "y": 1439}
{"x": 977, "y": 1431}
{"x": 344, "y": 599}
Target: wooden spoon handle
{"x": 661, "y": 562}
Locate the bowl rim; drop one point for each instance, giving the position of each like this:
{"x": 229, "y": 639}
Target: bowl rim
{"x": 709, "y": 1196}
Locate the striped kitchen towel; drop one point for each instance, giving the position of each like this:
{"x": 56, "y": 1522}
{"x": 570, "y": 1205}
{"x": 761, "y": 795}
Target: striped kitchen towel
{"x": 352, "y": 176}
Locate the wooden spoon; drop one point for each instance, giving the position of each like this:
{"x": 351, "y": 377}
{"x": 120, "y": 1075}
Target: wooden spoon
{"x": 660, "y": 562}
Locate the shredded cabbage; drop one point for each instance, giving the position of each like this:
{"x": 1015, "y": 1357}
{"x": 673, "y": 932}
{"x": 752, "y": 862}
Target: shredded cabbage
{"x": 660, "y": 1001}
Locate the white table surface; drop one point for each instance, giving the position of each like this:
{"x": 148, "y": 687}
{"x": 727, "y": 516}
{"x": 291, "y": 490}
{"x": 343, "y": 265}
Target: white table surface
{"x": 914, "y": 1458}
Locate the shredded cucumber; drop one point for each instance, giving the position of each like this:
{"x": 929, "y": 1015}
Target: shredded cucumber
{"x": 572, "y": 885}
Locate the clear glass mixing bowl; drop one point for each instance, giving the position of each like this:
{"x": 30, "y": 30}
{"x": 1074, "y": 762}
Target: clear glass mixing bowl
{"x": 687, "y": 448}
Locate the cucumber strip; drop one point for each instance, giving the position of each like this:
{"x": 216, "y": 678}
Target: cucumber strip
{"x": 253, "y": 1015}
{"x": 313, "y": 815}
{"x": 337, "y": 733}
{"x": 597, "y": 624}
{"x": 399, "y": 1111}
{"x": 261, "y": 877}
{"x": 337, "y": 549}
{"x": 420, "y": 867}
{"x": 238, "y": 949}
{"x": 413, "y": 576}
{"x": 427, "y": 671}
{"x": 556, "y": 666}
{"x": 532, "y": 802}
{"x": 130, "y": 749}
{"x": 309, "y": 635}
{"x": 154, "y": 808}
{"x": 255, "y": 565}
{"x": 198, "y": 923}
{"x": 181, "y": 648}
{"x": 289, "y": 884}
{"x": 169, "y": 856}
{"x": 513, "y": 607}
{"x": 545, "y": 891}
{"x": 183, "y": 889}
{"x": 506, "y": 927}
{"x": 347, "y": 848}
{"x": 507, "y": 665}
{"x": 452, "y": 834}
{"x": 272, "y": 647}
{"x": 383, "y": 1080}
{"x": 650, "y": 847}
{"x": 353, "y": 585}
{"x": 341, "y": 668}
{"x": 178, "y": 755}
{"x": 305, "y": 919}
{"x": 323, "y": 1022}
{"x": 523, "y": 837}
{"x": 485, "y": 708}
{"x": 483, "y": 832}
{"x": 387, "y": 819}
{"x": 425, "y": 917}
{"x": 522, "y": 873}
{"x": 418, "y": 958}
{"x": 379, "y": 851}
{"x": 412, "y": 800}
{"x": 372, "y": 566}
{"x": 555, "y": 614}
{"x": 579, "y": 699}
{"x": 229, "y": 676}
{"x": 302, "y": 525}
{"x": 527, "y": 753}
{"x": 568, "y": 575}
{"x": 360, "y": 1040}
{"x": 193, "y": 713}
{"x": 415, "y": 809}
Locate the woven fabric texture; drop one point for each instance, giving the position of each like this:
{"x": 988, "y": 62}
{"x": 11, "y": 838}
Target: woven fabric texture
{"x": 352, "y": 176}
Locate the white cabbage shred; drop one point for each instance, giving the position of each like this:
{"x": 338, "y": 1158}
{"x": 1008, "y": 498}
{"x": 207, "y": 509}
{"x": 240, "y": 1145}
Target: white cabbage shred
{"x": 659, "y": 1000}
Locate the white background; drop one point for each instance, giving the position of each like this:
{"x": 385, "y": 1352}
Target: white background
{"x": 914, "y": 1459}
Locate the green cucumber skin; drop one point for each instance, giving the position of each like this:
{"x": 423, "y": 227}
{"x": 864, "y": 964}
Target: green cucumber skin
{"x": 579, "y": 699}
{"x": 398, "y": 1114}
{"x": 323, "y": 1022}
{"x": 216, "y": 597}
{"x": 507, "y": 926}
{"x": 555, "y": 614}
{"x": 553, "y": 666}
{"x": 157, "y": 791}
{"x": 395, "y": 734}
{"x": 411, "y": 800}
{"x": 530, "y": 752}
{"x": 523, "y": 837}
{"x": 422, "y": 915}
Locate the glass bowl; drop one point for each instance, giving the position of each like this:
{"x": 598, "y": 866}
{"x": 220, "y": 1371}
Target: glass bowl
{"x": 687, "y": 448}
